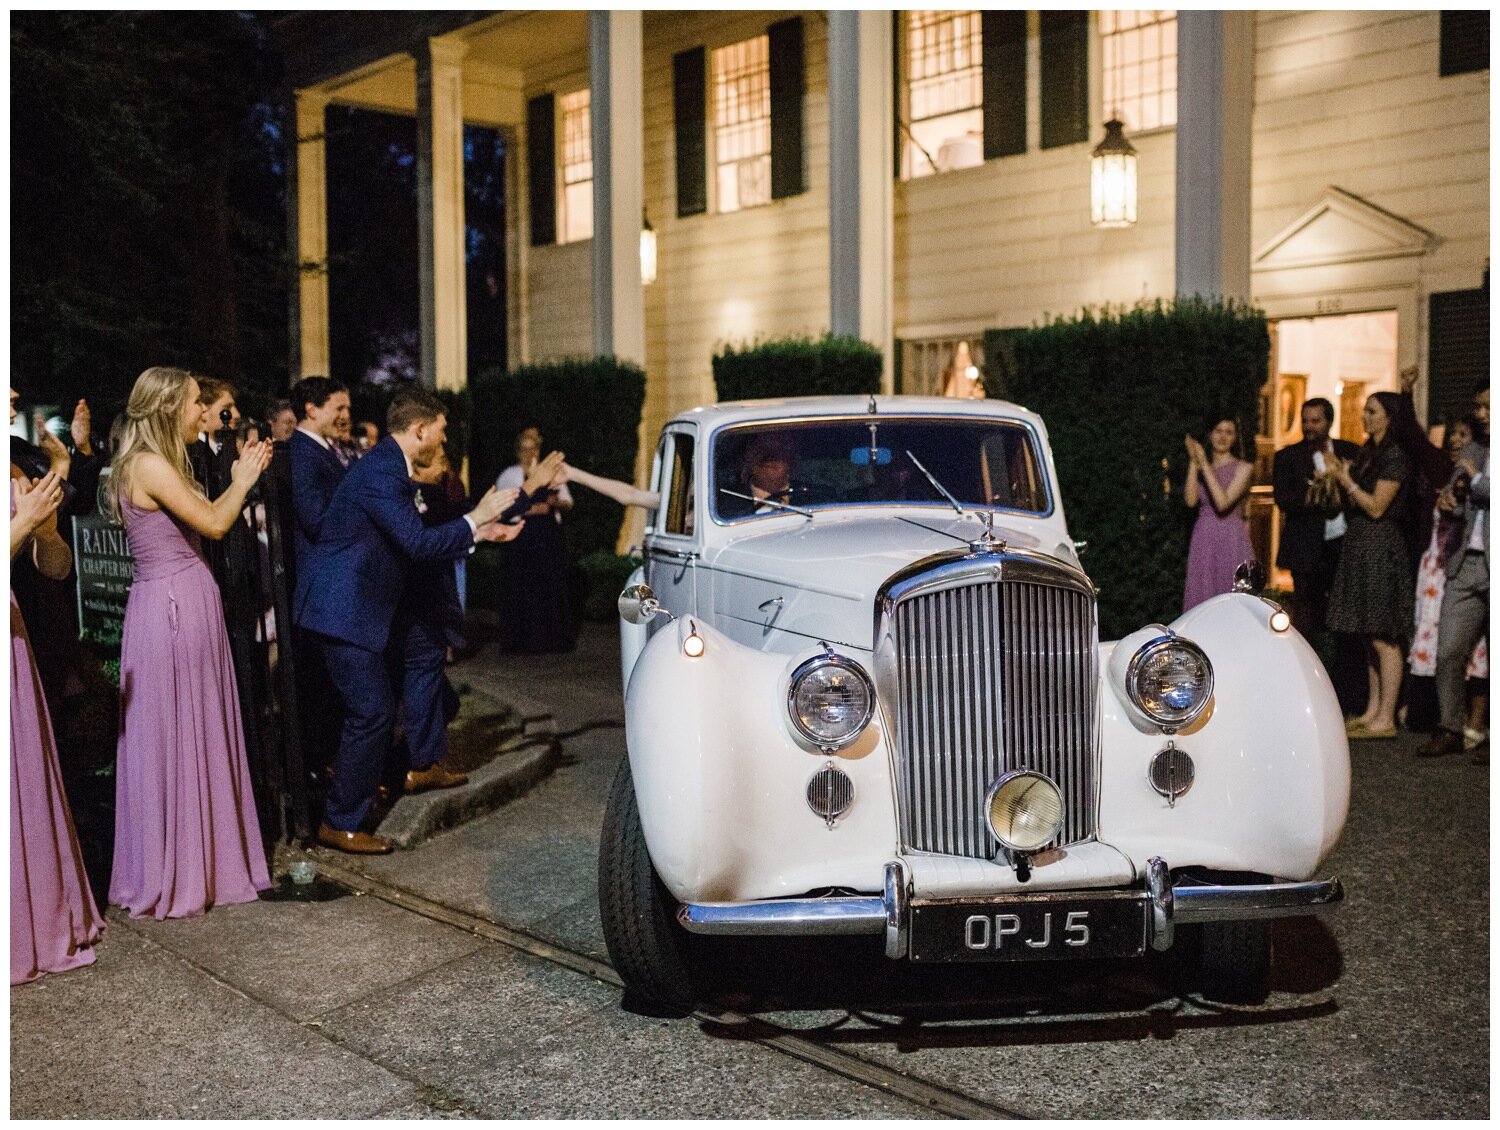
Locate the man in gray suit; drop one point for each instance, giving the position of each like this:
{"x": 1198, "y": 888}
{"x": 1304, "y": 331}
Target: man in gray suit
{"x": 1466, "y": 603}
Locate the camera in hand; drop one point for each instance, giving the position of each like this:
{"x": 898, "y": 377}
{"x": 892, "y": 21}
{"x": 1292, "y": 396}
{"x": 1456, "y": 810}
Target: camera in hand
{"x": 1461, "y": 486}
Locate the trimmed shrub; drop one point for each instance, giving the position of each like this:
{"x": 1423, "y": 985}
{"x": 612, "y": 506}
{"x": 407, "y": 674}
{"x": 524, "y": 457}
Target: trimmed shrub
{"x": 797, "y": 366}
{"x": 589, "y": 408}
{"x": 1118, "y": 391}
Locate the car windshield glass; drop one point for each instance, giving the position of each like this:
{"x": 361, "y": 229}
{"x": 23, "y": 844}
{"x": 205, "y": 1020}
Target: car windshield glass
{"x": 983, "y": 463}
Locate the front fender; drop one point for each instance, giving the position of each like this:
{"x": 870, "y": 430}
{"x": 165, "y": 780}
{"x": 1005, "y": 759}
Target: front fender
{"x": 1271, "y": 791}
{"x": 721, "y": 782}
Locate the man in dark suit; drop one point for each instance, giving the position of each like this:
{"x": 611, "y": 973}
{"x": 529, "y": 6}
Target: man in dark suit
{"x": 356, "y": 575}
{"x": 1311, "y": 538}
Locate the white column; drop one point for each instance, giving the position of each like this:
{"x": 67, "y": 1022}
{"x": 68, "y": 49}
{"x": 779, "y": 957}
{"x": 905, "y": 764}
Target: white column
{"x": 440, "y": 213}
{"x": 311, "y": 204}
{"x": 1215, "y": 92}
{"x": 860, "y": 191}
{"x": 615, "y": 113}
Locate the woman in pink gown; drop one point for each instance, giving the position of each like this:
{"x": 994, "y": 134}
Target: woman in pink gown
{"x": 186, "y": 835}
{"x": 1217, "y": 485}
{"x": 53, "y": 920}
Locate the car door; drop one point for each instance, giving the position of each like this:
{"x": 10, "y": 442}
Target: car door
{"x": 673, "y": 544}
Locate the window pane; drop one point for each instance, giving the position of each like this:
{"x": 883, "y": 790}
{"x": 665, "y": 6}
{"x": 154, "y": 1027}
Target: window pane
{"x": 1139, "y": 50}
{"x": 742, "y": 123}
{"x": 576, "y": 190}
{"x": 944, "y": 89}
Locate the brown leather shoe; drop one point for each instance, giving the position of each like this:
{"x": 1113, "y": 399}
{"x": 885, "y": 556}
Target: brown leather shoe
{"x": 1442, "y": 743}
{"x": 433, "y": 777}
{"x": 358, "y": 843}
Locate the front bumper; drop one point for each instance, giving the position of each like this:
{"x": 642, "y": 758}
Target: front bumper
{"x": 890, "y": 913}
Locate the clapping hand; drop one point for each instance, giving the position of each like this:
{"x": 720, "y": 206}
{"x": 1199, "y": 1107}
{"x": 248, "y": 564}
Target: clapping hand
{"x": 57, "y": 454}
{"x": 1196, "y": 456}
{"x": 498, "y": 531}
{"x": 544, "y": 473}
{"x": 254, "y": 458}
{"x": 81, "y": 428}
{"x": 37, "y": 501}
{"x": 491, "y": 506}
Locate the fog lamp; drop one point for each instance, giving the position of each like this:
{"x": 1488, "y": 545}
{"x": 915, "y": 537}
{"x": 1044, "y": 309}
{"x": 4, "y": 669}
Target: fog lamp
{"x": 692, "y": 646}
{"x": 1280, "y": 621}
{"x": 830, "y": 701}
{"x": 1025, "y": 810}
{"x": 1170, "y": 680}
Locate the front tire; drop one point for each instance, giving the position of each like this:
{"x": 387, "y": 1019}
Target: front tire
{"x": 650, "y": 951}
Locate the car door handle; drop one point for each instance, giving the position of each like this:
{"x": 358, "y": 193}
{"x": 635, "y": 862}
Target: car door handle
{"x": 675, "y": 554}
{"x": 774, "y": 602}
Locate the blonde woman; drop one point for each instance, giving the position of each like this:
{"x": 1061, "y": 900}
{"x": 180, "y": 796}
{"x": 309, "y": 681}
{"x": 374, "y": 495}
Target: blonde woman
{"x": 186, "y": 836}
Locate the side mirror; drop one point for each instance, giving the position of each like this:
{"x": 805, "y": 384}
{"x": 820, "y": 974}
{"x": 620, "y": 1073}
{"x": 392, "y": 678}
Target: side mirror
{"x": 1249, "y": 577}
{"x": 637, "y": 604}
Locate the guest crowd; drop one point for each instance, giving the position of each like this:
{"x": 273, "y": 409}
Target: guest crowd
{"x": 1387, "y": 545}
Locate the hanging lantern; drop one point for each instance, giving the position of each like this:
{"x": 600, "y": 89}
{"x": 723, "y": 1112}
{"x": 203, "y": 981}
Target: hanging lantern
{"x": 1113, "y": 162}
{"x": 648, "y": 251}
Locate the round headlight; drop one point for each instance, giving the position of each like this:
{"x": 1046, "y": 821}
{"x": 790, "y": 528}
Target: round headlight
{"x": 1025, "y": 811}
{"x": 830, "y": 701}
{"x": 1170, "y": 680}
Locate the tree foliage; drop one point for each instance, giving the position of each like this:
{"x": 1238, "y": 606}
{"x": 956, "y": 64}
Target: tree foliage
{"x": 1118, "y": 390}
{"x": 147, "y": 216}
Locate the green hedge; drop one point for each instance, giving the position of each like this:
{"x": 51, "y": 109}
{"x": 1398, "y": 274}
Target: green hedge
{"x": 1118, "y": 390}
{"x": 797, "y": 366}
{"x": 589, "y": 408}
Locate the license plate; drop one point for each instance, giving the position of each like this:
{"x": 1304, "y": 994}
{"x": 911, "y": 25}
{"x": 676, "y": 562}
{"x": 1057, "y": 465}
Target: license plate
{"x": 1035, "y": 928}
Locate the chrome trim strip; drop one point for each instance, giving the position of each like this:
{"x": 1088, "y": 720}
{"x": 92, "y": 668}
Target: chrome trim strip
{"x": 1214, "y": 903}
{"x": 897, "y": 909}
{"x": 864, "y": 914}
{"x": 1159, "y": 886}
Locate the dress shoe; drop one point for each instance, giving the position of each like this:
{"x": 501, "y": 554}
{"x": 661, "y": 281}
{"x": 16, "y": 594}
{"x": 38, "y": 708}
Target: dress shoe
{"x": 357, "y": 843}
{"x": 1442, "y": 743}
{"x": 1361, "y": 735}
{"x": 433, "y": 777}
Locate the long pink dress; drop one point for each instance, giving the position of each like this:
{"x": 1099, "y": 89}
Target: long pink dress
{"x": 53, "y": 920}
{"x": 1220, "y": 543}
{"x": 186, "y": 836}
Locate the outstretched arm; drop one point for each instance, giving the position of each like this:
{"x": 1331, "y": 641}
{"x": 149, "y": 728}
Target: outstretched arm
{"x": 623, "y": 493}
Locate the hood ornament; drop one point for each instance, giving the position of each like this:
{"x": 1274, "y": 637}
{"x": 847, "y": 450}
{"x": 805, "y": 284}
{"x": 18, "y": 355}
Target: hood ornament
{"x": 988, "y": 542}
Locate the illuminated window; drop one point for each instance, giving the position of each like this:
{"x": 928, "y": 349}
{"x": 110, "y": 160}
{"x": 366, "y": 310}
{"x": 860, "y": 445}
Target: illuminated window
{"x": 945, "y": 95}
{"x": 1140, "y": 67}
{"x": 742, "y": 123}
{"x": 576, "y": 203}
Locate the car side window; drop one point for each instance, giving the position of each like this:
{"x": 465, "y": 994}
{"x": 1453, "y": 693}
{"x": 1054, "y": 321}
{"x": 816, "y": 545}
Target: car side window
{"x": 679, "y": 501}
{"x": 657, "y": 465}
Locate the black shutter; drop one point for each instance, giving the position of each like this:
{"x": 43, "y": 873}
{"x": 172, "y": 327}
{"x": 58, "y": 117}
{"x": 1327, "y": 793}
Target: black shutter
{"x": 1463, "y": 42}
{"x": 1458, "y": 351}
{"x": 689, "y": 105}
{"x": 1065, "y": 78}
{"x": 898, "y": 78}
{"x": 786, "y": 108}
{"x": 1003, "y": 40}
{"x": 541, "y": 168}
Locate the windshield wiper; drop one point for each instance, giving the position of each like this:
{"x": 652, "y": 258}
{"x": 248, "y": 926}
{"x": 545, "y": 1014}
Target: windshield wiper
{"x": 937, "y": 486}
{"x": 768, "y": 502}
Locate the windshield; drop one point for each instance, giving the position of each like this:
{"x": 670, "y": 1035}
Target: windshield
{"x": 865, "y": 461}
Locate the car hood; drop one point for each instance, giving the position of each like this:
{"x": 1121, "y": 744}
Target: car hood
{"x": 819, "y": 578}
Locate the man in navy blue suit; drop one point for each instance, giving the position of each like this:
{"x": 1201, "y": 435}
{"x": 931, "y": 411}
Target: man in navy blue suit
{"x": 350, "y": 592}
{"x": 321, "y": 406}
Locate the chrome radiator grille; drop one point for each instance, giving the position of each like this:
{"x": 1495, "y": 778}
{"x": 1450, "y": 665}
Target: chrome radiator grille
{"x": 992, "y": 676}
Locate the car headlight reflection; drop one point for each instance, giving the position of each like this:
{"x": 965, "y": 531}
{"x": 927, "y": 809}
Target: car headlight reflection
{"x": 1025, "y": 811}
{"x": 1170, "y": 680}
{"x": 830, "y": 701}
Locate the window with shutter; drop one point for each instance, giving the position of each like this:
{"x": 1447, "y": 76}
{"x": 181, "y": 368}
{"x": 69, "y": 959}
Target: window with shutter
{"x": 1065, "y": 78}
{"x": 742, "y": 124}
{"x": 1139, "y": 54}
{"x": 576, "y": 197}
{"x": 689, "y": 105}
{"x": 944, "y": 92}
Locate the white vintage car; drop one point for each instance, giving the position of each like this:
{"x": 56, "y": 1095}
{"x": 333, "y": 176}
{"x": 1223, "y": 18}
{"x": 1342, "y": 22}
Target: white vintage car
{"x": 866, "y": 695}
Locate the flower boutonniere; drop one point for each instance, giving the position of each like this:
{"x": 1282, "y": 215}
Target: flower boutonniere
{"x": 421, "y": 504}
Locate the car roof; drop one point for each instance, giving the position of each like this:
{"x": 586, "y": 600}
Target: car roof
{"x": 713, "y": 416}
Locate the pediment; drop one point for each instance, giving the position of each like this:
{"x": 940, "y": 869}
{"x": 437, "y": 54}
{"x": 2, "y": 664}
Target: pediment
{"x": 1342, "y": 228}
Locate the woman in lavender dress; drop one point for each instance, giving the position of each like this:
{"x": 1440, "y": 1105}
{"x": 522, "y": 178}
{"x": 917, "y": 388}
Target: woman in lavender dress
{"x": 186, "y": 836}
{"x": 53, "y": 920}
{"x": 1217, "y": 485}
